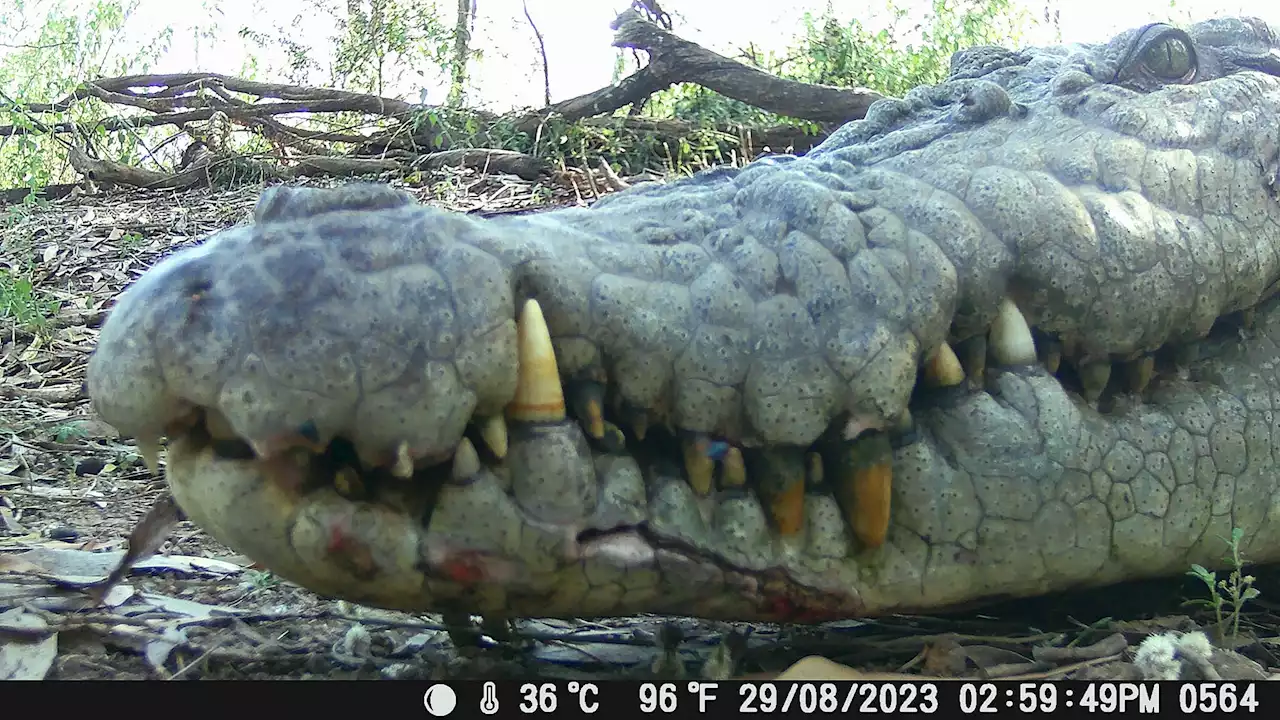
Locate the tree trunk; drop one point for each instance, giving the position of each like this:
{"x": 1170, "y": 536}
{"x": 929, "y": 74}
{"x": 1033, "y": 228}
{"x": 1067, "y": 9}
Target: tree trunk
{"x": 461, "y": 52}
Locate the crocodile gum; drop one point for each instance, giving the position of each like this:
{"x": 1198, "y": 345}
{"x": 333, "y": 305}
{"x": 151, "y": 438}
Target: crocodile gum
{"x": 1008, "y": 335}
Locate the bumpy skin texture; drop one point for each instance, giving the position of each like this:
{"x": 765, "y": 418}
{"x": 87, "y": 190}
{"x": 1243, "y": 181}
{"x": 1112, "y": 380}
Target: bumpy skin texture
{"x": 1125, "y": 203}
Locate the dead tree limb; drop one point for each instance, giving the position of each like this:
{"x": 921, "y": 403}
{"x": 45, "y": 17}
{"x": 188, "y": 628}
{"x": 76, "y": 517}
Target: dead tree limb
{"x": 401, "y": 141}
{"x": 690, "y": 62}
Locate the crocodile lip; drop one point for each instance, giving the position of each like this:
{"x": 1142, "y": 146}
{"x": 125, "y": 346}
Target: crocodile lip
{"x": 1004, "y": 337}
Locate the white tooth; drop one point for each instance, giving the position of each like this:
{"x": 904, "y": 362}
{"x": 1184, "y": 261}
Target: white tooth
{"x": 539, "y": 396}
{"x": 403, "y": 467}
{"x": 494, "y": 432}
{"x": 1011, "y": 341}
{"x": 466, "y": 462}
{"x": 149, "y": 449}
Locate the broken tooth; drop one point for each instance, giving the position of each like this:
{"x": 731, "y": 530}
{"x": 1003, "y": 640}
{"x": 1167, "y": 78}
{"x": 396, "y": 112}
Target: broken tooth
{"x": 539, "y": 396}
{"x": 943, "y": 368}
{"x": 865, "y": 489}
{"x": 1138, "y": 373}
{"x": 494, "y": 433}
{"x": 1094, "y": 376}
{"x": 403, "y": 467}
{"x": 466, "y": 462}
{"x": 149, "y": 449}
{"x": 1011, "y": 341}
{"x": 588, "y": 406}
{"x": 699, "y": 465}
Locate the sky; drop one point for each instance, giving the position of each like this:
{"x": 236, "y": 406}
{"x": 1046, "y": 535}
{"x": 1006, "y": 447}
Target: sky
{"x": 577, "y": 34}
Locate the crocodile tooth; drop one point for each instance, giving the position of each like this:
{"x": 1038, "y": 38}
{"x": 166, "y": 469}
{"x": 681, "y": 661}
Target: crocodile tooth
{"x": 640, "y": 425}
{"x": 1248, "y": 317}
{"x": 466, "y": 462}
{"x": 1011, "y": 341}
{"x": 943, "y": 368}
{"x": 865, "y": 488}
{"x": 698, "y": 465}
{"x": 1094, "y": 376}
{"x": 733, "y": 471}
{"x": 1051, "y": 355}
{"x": 348, "y": 483}
{"x": 813, "y": 475}
{"x": 149, "y": 449}
{"x": 611, "y": 438}
{"x": 539, "y": 396}
{"x": 588, "y": 405}
{"x": 781, "y": 475}
{"x": 403, "y": 467}
{"x": 973, "y": 356}
{"x": 1138, "y": 373}
{"x": 494, "y": 432}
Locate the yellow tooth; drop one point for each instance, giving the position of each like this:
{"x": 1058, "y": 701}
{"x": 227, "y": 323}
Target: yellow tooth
{"x": 787, "y": 507}
{"x": 494, "y": 432}
{"x": 539, "y": 396}
{"x": 814, "y": 470}
{"x": 588, "y": 406}
{"x": 1094, "y": 376}
{"x": 612, "y": 439}
{"x": 149, "y": 449}
{"x": 943, "y": 367}
{"x": 1011, "y": 341}
{"x": 865, "y": 490}
{"x": 466, "y": 462}
{"x": 700, "y": 468}
{"x": 781, "y": 478}
{"x": 1248, "y": 317}
{"x": 348, "y": 483}
{"x": 1139, "y": 373}
{"x": 733, "y": 469}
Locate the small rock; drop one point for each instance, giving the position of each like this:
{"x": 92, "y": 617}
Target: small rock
{"x": 64, "y": 533}
{"x": 90, "y": 466}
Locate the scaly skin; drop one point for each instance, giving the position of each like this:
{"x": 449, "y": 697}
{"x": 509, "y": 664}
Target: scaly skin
{"x": 781, "y": 308}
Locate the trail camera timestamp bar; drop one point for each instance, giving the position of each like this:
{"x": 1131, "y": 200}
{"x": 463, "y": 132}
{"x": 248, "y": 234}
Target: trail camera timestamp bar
{"x": 622, "y": 700}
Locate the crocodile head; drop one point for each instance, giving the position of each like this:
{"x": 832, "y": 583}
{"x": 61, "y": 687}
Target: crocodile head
{"x": 1011, "y": 334}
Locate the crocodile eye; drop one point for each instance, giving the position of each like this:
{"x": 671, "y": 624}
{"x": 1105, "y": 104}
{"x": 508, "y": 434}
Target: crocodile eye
{"x": 1170, "y": 58}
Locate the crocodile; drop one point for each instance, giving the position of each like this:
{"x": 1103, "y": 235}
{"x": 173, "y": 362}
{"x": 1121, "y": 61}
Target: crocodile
{"x": 1009, "y": 335}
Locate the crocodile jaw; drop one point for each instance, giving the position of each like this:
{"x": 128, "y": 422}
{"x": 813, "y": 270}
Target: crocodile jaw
{"x": 317, "y": 373}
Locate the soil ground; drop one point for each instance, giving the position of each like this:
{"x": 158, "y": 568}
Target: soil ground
{"x": 72, "y": 490}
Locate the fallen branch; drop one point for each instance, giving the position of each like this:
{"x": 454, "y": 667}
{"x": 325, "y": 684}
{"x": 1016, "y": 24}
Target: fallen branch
{"x": 187, "y": 100}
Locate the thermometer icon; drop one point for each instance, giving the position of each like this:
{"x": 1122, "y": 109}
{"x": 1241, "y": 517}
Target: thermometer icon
{"x": 489, "y": 702}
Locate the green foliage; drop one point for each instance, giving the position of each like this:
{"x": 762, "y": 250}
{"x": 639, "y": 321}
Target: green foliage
{"x": 376, "y": 44}
{"x": 1229, "y": 594}
{"x": 22, "y": 304}
{"x": 57, "y": 45}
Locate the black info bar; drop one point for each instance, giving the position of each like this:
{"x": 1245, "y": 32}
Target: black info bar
{"x": 624, "y": 700}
